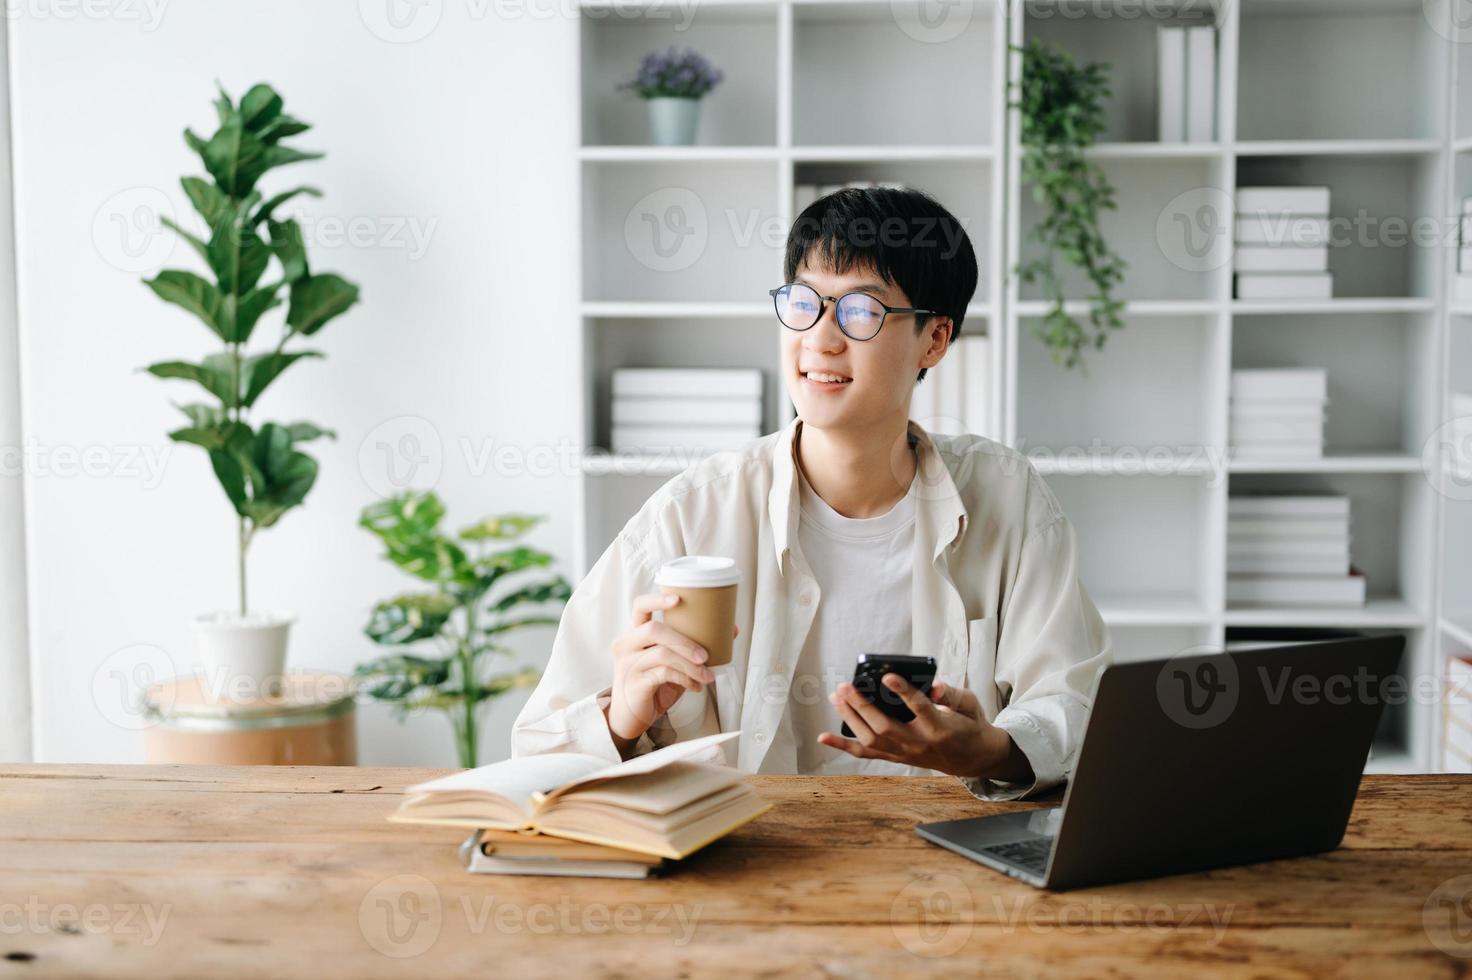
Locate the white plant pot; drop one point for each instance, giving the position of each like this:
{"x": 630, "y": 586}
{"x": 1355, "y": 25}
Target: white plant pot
{"x": 672, "y": 121}
{"x": 244, "y": 656}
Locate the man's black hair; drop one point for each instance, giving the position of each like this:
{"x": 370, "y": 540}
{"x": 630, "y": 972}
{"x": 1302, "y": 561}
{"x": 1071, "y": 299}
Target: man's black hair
{"x": 905, "y": 235}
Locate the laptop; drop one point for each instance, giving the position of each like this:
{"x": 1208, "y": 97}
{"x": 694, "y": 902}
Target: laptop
{"x": 1201, "y": 761}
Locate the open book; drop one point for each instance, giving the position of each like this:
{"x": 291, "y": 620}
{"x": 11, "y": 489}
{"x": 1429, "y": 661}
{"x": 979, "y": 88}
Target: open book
{"x": 659, "y": 803}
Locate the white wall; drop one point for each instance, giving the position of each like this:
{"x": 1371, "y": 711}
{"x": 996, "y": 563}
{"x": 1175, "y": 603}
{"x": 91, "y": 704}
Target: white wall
{"x": 468, "y": 133}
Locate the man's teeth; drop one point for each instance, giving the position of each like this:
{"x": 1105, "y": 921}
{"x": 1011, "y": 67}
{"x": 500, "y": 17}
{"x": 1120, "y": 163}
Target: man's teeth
{"x": 819, "y": 376}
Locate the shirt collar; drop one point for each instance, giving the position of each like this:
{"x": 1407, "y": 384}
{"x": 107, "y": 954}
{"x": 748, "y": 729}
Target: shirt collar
{"x": 940, "y": 516}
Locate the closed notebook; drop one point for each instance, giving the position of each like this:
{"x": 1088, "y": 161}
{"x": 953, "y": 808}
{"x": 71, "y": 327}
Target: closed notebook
{"x": 502, "y": 852}
{"x": 658, "y": 804}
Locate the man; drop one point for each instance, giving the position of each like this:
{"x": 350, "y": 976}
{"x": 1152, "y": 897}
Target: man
{"x": 855, "y": 531}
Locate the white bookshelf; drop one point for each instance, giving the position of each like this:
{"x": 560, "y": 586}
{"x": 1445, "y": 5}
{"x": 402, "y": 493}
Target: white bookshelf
{"x": 1358, "y": 94}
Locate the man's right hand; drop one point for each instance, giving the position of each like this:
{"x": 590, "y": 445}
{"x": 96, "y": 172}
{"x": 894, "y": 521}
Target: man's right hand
{"x": 652, "y": 666}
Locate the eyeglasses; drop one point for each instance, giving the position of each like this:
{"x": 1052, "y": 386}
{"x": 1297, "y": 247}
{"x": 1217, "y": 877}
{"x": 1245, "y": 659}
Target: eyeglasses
{"x": 859, "y": 315}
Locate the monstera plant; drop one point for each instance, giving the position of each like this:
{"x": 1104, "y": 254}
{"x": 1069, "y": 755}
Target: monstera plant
{"x": 255, "y": 263}
{"x": 444, "y": 636}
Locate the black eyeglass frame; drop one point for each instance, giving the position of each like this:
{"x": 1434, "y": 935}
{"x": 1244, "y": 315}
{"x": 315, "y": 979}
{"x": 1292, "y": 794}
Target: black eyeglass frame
{"x": 823, "y": 301}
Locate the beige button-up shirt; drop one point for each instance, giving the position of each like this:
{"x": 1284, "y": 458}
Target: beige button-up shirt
{"x": 997, "y": 603}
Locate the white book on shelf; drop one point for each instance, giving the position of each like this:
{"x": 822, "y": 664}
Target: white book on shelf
{"x": 1464, "y": 260}
{"x": 1291, "y": 505}
{"x": 1461, "y": 405}
{"x": 684, "y": 438}
{"x": 1280, "y": 383}
{"x": 1294, "y": 590}
{"x": 923, "y": 402}
{"x": 976, "y": 363}
{"x": 1286, "y": 565}
{"x": 1281, "y": 201}
{"x": 1279, "y": 229}
{"x": 1279, "y": 409}
{"x": 1462, "y": 290}
{"x": 1170, "y": 83}
{"x": 1278, "y": 450}
{"x": 1200, "y": 84}
{"x": 687, "y": 411}
{"x": 1278, "y": 285}
{"x": 1281, "y": 258}
{"x": 687, "y": 383}
{"x": 1291, "y": 548}
{"x": 1253, "y": 431}
{"x": 949, "y": 410}
{"x": 1288, "y": 528}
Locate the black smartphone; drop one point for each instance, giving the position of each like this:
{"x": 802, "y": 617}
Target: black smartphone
{"x": 919, "y": 672}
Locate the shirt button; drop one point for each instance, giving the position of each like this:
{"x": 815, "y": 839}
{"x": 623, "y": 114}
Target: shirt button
{"x": 759, "y": 737}
{"x": 805, "y": 599}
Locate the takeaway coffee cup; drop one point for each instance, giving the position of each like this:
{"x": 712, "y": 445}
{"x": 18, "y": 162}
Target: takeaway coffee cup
{"x": 706, "y": 611}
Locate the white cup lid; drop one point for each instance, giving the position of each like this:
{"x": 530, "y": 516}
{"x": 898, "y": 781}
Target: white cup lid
{"x": 698, "y": 571}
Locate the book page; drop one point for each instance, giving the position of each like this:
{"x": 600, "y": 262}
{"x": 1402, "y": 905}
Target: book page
{"x": 663, "y": 791}
{"x": 648, "y": 762}
{"x": 518, "y": 780}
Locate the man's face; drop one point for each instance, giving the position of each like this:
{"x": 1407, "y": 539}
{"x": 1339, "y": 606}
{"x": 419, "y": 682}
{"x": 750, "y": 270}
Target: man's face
{"x": 880, "y": 372}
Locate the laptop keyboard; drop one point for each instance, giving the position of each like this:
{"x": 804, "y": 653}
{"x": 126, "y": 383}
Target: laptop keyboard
{"x": 1030, "y": 855}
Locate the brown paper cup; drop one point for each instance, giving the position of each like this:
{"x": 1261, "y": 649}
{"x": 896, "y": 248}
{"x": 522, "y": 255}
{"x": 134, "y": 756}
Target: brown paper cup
{"x": 706, "y": 611}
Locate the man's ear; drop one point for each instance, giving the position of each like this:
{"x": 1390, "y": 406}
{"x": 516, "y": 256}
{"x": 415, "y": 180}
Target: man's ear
{"x": 938, "y": 332}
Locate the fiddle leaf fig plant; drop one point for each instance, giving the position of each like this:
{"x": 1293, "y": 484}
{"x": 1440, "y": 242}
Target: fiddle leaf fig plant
{"x": 259, "y": 465}
{"x": 1062, "y": 110}
{"x": 445, "y": 636}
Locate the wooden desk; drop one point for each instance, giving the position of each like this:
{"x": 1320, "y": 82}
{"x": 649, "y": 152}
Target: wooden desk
{"x": 292, "y": 872}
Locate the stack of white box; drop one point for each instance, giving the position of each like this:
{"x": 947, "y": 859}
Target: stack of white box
{"x": 1279, "y": 412}
{"x": 685, "y": 410}
{"x": 1282, "y": 243}
{"x": 956, "y": 395}
{"x": 1290, "y": 550}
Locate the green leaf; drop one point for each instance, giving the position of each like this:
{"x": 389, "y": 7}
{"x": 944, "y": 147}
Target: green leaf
{"x": 290, "y": 249}
{"x": 396, "y": 676}
{"x": 409, "y": 618}
{"x": 280, "y": 128}
{"x": 500, "y": 528}
{"x": 260, "y": 106}
{"x": 408, "y": 527}
{"x": 208, "y": 200}
{"x": 235, "y": 158}
{"x": 250, "y": 308}
{"x": 307, "y": 431}
{"x": 193, "y": 293}
{"x": 264, "y": 212}
{"x": 195, "y": 143}
{"x": 556, "y": 590}
{"x": 415, "y": 513}
{"x": 520, "y": 623}
{"x": 262, "y": 369}
{"x": 195, "y": 242}
{"x": 204, "y": 416}
{"x": 502, "y": 683}
{"x": 238, "y": 257}
{"x": 281, "y": 476}
{"x": 214, "y": 375}
{"x": 279, "y": 156}
{"x": 317, "y": 299}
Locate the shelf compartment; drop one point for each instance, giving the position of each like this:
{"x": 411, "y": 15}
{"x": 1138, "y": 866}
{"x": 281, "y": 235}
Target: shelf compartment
{"x": 839, "y": 98}
{"x": 1151, "y": 387}
{"x": 1392, "y": 516}
{"x": 1338, "y": 71}
{"x": 738, "y": 38}
{"x": 668, "y": 232}
{"x": 1382, "y": 379}
{"x": 1163, "y": 568}
{"x": 1144, "y": 189}
{"x": 1131, "y": 642}
{"x": 1377, "y": 249}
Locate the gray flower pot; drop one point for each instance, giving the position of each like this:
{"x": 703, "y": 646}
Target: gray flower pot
{"x": 672, "y": 121}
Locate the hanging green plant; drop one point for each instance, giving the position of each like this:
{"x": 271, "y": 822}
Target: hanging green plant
{"x": 1062, "y": 109}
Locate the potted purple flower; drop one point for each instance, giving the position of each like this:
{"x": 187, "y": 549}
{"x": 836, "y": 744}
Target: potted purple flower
{"x": 672, "y": 83}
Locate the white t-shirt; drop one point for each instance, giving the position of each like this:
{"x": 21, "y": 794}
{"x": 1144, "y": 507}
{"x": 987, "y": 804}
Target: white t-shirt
{"x": 862, "y": 566}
